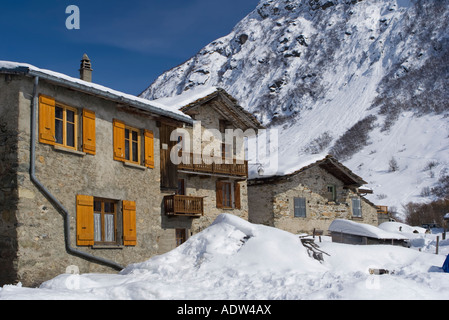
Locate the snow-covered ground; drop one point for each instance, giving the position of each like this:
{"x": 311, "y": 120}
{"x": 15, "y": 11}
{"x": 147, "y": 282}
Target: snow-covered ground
{"x": 236, "y": 260}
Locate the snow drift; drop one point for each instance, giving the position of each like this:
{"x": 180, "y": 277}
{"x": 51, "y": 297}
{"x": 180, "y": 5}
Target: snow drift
{"x": 236, "y": 260}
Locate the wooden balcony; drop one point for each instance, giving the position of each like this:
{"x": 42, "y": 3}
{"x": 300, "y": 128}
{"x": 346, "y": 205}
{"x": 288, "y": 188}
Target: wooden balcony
{"x": 177, "y": 205}
{"x": 196, "y": 164}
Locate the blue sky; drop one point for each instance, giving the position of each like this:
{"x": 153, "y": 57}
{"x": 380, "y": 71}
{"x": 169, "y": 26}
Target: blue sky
{"x": 129, "y": 42}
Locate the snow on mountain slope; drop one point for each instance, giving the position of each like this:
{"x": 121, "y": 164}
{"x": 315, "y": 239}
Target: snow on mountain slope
{"x": 316, "y": 69}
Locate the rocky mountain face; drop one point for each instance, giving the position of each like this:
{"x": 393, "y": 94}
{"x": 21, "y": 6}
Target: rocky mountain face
{"x": 364, "y": 80}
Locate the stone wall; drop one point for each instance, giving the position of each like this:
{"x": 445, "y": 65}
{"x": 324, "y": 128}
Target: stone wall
{"x": 32, "y": 236}
{"x": 40, "y": 230}
{"x": 204, "y": 185}
{"x": 9, "y": 95}
{"x": 277, "y": 209}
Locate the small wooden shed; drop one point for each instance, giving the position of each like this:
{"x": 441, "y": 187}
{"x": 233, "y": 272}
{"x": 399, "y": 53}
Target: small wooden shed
{"x": 351, "y": 232}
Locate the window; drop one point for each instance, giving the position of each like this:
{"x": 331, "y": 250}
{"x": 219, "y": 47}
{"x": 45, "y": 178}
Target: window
{"x": 128, "y": 146}
{"x": 58, "y": 125}
{"x": 181, "y": 187}
{"x": 181, "y": 236}
{"x": 299, "y": 207}
{"x": 331, "y": 193}
{"x": 105, "y": 221}
{"x": 65, "y": 126}
{"x": 228, "y": 195}
{"x": 132, "y": 145}
{"x": 356, "y": 207}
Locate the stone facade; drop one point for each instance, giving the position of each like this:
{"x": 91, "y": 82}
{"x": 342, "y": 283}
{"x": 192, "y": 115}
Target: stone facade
{"x": 36, "y": 227}
{"x": 201, "y": 184}
{"x": 32, "y": 229}
{"x": 271, "y": 202}
{"x": 9, "y": 166}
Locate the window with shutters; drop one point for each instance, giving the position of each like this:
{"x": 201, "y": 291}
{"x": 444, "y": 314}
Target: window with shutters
{"x": 128, "y": 146}
{"x": 66, "y": 121}
{"x": 59, "y": 126}
{"x": 132, "y": 145}
{"x": 105, "y": 222}
{"x": 299, "y": 207}
{"x": 356, "y": 207}
{"x": 228, "y": 195}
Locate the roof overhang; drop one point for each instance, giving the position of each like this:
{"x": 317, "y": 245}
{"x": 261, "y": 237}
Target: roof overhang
{"x": 329, "y": 164}
{"x": 94, "y": 89}
{"x": 227, "y": 106}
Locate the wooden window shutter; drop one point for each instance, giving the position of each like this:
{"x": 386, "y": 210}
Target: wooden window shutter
{"x": 299, "y": 207}
{"x": 84, "y": 220}
{"x": 129, "y": 223}
{"x": 47, "y": 120}
{"x": 237, "y": 203}
{"x": 219, "y": 194}
{"x": 149, "y": 148}
{"x": 89, "y": 131}
{"x": 119, "y": 140}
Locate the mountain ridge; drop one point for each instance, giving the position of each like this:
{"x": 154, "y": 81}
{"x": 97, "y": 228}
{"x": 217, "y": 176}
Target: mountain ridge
{"x": 341, "y": 77}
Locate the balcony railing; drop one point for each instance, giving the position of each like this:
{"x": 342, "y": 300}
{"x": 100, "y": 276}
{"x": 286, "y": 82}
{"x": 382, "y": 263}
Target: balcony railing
{"x": 178, "y": 205}
{"x": 195, "y": 163}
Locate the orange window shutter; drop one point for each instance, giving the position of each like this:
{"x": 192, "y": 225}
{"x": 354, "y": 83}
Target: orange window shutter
{"x": 237, "y": 203}
{"x": 119, "y": 140}
{"x": 149, "y": 148}
{"x": 84, "y": 220}
{"x": 219, "y": 194}
{"x": 47, "y": 120}
{"x": 89, "y": 131}
{"x": 129, "y": 223}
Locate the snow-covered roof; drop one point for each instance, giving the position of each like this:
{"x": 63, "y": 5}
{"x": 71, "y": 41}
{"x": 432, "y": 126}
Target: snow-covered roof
{"x": 187, "y": 97}
{"x": 81, "y": 85}
{"x": 362, "y": 229}
{"x": 397, "y": 227}
{"x": 199, "y": 95}
{"x": 328, "y": 163}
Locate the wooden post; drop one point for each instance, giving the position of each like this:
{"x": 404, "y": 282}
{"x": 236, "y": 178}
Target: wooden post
{"x": 438, "y": 242}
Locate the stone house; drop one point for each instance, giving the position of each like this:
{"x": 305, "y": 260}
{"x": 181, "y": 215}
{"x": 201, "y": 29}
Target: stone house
{"x": 86, "y": 180}
{"x": 310, "y": 198}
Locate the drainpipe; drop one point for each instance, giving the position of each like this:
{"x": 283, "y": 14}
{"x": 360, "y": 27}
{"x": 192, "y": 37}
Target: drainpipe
{"x": 60, "y": 208}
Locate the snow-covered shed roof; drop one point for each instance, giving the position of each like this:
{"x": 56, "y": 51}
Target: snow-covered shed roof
{"x": 362, "y": 229}
{"x": 9, "y": 67}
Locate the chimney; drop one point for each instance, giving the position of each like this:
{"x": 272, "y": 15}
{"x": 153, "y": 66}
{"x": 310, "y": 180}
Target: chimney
{"x": 85, "y": 69}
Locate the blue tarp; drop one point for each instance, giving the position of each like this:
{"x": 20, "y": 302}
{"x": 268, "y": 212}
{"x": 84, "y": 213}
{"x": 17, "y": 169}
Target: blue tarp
{"x": 446, "y": 264}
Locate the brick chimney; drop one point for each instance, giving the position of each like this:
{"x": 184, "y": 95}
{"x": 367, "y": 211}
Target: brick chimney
{"x": 86, "y": 69}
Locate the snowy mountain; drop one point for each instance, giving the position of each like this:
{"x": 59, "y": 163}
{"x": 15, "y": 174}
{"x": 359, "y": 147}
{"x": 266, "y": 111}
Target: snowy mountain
{"x": 364, "y": 80}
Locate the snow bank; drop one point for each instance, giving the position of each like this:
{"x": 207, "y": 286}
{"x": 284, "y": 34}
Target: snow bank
{"x": 362, "y": 229}
{"x": 234, "y": 244}
{"x": 236, "y": 260}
